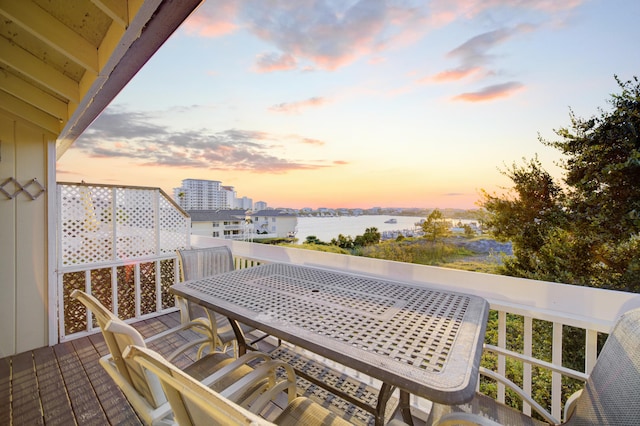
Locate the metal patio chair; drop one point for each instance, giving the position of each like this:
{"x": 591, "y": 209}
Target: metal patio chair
{"x": 195, "y": 404}
{"x": 611, "y": 395}
{"x": 202, "y": 263}
{"x": 144, "y": 391}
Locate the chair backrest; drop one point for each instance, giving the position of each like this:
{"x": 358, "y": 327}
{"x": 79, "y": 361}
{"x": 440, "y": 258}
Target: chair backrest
{"x": 118, "y": 335}
{"x": 192, "y": 403}
{"x": 200, "y": 263}
{"x": 612, "y": 392}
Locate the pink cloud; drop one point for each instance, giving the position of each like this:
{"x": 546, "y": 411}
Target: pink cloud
{"x": 310, "y": 141}
{"x": 270, "y": 62}
{"x": 490, "y": 93}
{"x": 295, "y": 107}
{"x": 453, "y": 75}
{"x": 442, "y": 12}
{"x": 329, "y": 35}
{"x": 213, "y": 19}
{"x": 474, "y": 55}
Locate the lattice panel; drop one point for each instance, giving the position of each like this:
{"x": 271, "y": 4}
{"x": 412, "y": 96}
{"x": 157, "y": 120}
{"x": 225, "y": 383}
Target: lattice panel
{"x": 105, "y": 224}
{"x": 75, "y": 314}
{"x": 108, "y": 230}
{"x": 126, "y": 291}
{"x": 85, "y": 225}
{"x": 173, "y": 228}
{"x": 147, "y": 288}
{"x": 135, "y": 223}
{"x": 167, "y": 277}
{"x": 101, "y": 288}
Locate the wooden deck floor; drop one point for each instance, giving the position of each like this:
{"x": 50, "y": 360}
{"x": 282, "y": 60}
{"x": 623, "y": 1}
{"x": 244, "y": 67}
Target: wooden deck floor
{"x": 65, "y": 385}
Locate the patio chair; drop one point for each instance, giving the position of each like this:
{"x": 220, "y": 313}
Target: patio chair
{"x": 201, "y": 263}
{"x": 195, "y": 404}
{"x": 611, "y": 394}
{"x": 216, "y": 369}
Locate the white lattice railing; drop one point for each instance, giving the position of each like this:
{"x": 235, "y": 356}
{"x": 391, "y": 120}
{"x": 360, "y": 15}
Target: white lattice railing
{"x": 530, "y": 303}
{"x": 117, "y": 243}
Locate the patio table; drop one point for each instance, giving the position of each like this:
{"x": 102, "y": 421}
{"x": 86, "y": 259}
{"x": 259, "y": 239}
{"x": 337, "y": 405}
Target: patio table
{"x": 425, "y": 341}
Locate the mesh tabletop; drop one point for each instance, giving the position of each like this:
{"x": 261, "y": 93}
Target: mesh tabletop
{"x": 424, "y": 340}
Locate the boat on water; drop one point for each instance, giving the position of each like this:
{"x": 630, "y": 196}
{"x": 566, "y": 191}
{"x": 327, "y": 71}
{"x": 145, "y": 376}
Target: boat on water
{"x": 392, "y": 220}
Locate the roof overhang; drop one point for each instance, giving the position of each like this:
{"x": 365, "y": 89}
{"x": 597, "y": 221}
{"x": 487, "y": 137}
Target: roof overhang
{"x": 62, "y": 62}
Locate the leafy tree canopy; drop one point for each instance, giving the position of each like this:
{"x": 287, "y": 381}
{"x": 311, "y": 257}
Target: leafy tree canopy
{"x": 436, "y": 227}
{"x": 371, "y": 236}
{"x": 586, "y": 229}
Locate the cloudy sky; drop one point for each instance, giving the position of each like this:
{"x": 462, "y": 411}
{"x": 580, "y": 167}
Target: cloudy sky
{"x": 342, "y": 103}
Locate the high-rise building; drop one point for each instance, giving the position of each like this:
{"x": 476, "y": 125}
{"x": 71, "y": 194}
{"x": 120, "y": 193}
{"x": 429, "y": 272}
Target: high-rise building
{"x": 243, "y": 203}
{"x": 200, "y": 194}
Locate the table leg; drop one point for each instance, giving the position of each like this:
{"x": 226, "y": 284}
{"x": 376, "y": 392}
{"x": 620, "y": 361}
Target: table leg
{"x": 383, "y": 397}
{"x": 405, "y": 407}
{"x": 242, "y": 343}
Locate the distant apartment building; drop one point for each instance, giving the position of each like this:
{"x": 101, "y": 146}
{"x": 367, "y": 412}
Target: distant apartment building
{"x": 243, "y": 203}
{"x": 274, "y": 223}
{"x": 230, "y": 224}
{"x": 238, "y": 224}
{"x": 201, "y": 194}
{"x": 260, "y": 205}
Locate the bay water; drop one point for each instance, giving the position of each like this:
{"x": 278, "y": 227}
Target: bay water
{"x": 328, "y": 227}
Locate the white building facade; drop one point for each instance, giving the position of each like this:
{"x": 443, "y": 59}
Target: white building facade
{"x": 201, "y": 194}
{"x": 260, "y": 205}
{"x": 274, "y": 224}
{"x": 243, "y": 203}
{"x": 230, "y": 224}
{"x": 238, "y": 224}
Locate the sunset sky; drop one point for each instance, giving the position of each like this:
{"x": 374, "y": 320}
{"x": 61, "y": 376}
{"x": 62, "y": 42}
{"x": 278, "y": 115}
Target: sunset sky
{"x": 360, "y": 103}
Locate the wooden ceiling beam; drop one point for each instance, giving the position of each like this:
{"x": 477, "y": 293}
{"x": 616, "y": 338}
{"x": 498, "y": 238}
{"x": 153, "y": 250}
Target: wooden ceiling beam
{"x": 33, "y": 95}
{"x": 25, "y": 111}
{"x": 18, "y": 59}
{"x": 114, "y": 9}
{"x": 52, "y": 32}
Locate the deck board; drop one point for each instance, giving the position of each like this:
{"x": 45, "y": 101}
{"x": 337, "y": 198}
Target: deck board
{"x": 5, "y": 391}
{"x": 84, "y": 401}
{"x": 24, "y": 389}
{"x": 56, "y": 406}
{"x": 113, "y": 402}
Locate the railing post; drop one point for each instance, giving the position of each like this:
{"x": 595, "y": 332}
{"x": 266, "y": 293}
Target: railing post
{"x": 591, "y": 350}
{"x": 526, "y": 370}
{"x": 502, "y": 342}
{"x": 556, "y": 378}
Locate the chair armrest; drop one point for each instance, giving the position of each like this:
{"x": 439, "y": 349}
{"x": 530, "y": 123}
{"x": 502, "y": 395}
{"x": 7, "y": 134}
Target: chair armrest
{"x": 266, "y": 370}
{"x": 229, "y": 368}
{"x": 458, "y": 418}
{"x": 522, "y": 394}
{"x": 570, "y": 405}
{"x": 197, "y": 326}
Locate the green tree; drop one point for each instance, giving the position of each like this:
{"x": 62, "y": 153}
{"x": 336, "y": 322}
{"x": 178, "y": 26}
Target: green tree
{"x": 469, "y": 232}
{"x": 312, "y": 239}
{"x": 371, "y": 236}
{"x": 436, "y": 227}
{"x": 587, "y": 230}
{"x": 343, "y": 242}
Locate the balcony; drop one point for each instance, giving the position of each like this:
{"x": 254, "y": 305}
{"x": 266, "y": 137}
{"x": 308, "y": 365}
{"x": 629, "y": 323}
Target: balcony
{"x": 131, "y": 235}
